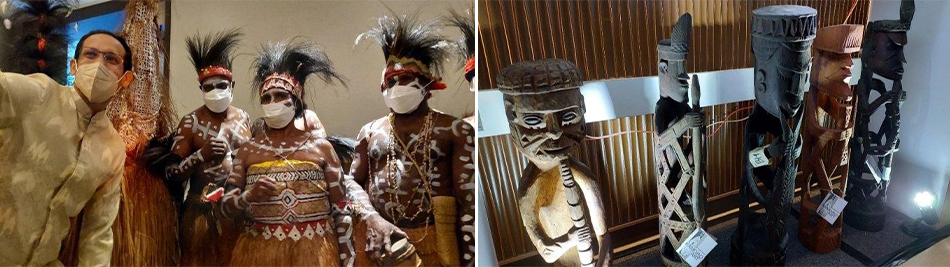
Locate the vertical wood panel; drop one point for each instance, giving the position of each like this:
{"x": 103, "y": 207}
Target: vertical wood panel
{"x": 611, "y": 39}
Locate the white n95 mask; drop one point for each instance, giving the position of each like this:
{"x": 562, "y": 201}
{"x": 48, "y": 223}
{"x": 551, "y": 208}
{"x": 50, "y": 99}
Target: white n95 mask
{"x": 277, "y": 115}
{"x": 96, "y": 82}
{"x": 404, "y": 99}
{"x": 218, "y": 100}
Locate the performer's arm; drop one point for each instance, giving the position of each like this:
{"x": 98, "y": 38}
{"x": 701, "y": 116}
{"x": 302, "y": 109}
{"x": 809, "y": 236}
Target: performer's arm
{"x": 337, "y": 195}
{"x": 95, "y": 237}
{"x": 359, "y": 173}
{"x": 19, "y": 92}
{"x": 235, "y": 201}
{"x": 215, "y": 150}
{"x": 463, "y": 171}
{"x": 360, "y": 203}
{"x": 182, "y": 147}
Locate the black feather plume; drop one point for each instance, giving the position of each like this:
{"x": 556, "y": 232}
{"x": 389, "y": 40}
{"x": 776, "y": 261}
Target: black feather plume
{"x": 406, "y": 37}
{"x": 465, "y": 24}
{"x": 214, "y": 50}
{"x": 298, "y": 59}
{"x": 37, "y": 40}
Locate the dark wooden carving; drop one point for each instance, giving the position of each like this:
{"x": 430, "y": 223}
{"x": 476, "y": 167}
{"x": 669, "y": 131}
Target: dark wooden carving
{"x": 781, "y": 43}
{"x": 829, "y": 125}
{"x": 681, "y": 183}
{"x": 883, "y": 54}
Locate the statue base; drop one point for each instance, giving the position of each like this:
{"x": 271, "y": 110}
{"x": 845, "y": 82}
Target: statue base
{"x": 865, "y": 219}
{"x": 820, "y": 241}
{"x": 752, "y": 247}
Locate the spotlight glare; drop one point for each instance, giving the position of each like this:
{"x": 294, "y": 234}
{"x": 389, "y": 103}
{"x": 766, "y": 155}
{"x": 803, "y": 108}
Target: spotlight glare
{"x": 924, "y": 199}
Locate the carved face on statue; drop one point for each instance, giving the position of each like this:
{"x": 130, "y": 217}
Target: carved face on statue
{"x": 674, "y": 81}
{"x": 545, "y": 108}
{"x": 832, "y": 74}
{"x": 546, "y": 126}
{"x": 781, "y": 75}
{"x": 885, "y": 54}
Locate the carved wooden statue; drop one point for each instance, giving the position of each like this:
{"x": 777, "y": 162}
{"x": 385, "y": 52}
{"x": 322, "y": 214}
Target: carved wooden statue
{"x": 681, "y": 181}
{"x": 883, "y": 54}
{"x": 829, "y": 124}
{"x": 781, "y": 42}
{"x": 558, "y": 198}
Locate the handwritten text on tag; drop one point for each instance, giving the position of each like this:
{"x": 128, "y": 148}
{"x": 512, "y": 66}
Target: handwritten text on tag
{"x": 695, "y": 248}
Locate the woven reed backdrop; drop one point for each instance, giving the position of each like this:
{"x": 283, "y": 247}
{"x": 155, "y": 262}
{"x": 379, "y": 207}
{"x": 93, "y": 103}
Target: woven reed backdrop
{"x": 617, "y": 39}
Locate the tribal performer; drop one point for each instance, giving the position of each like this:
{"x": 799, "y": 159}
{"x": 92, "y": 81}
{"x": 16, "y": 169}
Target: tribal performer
{"x": 286, "y": 181}
{"x": 203, "y": 146}
{"x": 466, "y": 48}
{"x": 416, "y": 162}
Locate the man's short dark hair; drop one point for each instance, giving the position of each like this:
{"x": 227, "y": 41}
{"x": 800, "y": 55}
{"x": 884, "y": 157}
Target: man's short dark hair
{"x": 125, "y": 45}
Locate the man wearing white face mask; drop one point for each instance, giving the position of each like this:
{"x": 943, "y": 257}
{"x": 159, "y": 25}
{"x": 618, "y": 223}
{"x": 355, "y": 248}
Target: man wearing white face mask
{"x": 60, "y": 154}
{"x": 203, "y": 146}
{"x": 416, "y": 163}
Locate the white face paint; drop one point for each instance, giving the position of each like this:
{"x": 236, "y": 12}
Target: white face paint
{"x": 404, "y": 99}
{"x": 278, "y": 115}
{"x": 96, "y": 82}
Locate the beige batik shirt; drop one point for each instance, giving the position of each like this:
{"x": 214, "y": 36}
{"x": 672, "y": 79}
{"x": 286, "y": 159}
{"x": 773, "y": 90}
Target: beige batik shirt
{"x": 56, "y": 159}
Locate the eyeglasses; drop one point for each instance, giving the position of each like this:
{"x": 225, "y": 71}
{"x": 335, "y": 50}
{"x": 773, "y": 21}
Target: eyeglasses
{"x": 223, "y": 85}
{"x": 110, "y": 58}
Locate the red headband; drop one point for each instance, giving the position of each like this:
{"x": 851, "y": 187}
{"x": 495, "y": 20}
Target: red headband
{"x": 396, "y": 66}
{"x": 282, "y": 81}
{"x": 212, "y": 71}
{"x": 469, "y": 65}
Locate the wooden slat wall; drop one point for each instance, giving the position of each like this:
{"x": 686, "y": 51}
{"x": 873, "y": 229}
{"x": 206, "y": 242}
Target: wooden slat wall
{"x": 624, "y": 169}
{"x": 617, "y": 38}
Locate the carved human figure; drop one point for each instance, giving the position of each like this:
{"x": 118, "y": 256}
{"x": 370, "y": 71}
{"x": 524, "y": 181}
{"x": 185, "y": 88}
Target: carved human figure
{"x": 545, "y": 111}
{"x": 781, "y": 42}
{"x": 872, "y": 151}
{"x": 416, "y": 162}
{"x": 829, "y": 124}
{"x": 681, "y": 182}
{"x": 203, "y": 146}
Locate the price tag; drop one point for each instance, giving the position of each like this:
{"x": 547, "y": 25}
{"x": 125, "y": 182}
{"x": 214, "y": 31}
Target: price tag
{"x": 695, "y": 248}
{"x": 831, "y": 207}
{"x": 757, "y": 157}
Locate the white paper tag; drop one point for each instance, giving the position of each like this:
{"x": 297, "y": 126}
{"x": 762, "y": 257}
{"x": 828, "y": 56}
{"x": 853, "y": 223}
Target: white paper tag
{"x": 831, "y": 207}
{"x": 695, "y": 248}
{"x": 757, "y": 157}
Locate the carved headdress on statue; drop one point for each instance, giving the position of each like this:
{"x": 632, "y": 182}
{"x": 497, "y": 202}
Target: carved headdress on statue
{"x": 410, "y": 46}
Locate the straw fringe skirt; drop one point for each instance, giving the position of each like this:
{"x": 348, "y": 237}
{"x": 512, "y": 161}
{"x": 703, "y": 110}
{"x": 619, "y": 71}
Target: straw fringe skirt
{"x": 205, "y": 240}
{"x": 145, "y": 232}
{"x": 146, "y": 229}
{"x": 255, "y": 250}
{"x": 422, "y": 238}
